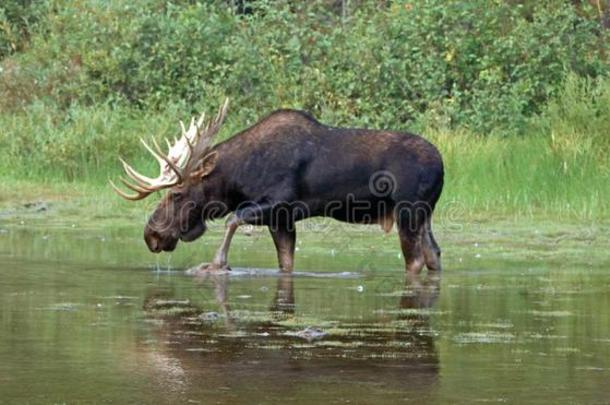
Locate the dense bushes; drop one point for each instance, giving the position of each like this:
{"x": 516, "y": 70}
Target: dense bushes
{"x": 17, "y": 19}
{"x": 477, "y": 64}
{"x": 562, "y": 166}
{"x": 86, "y": 78}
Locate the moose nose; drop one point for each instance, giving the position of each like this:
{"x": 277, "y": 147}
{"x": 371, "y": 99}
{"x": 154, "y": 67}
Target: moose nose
{"x": 152, "y": 239}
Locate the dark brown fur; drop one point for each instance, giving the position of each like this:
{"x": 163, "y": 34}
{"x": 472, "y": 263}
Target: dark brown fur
{"x": 289, "y": 167}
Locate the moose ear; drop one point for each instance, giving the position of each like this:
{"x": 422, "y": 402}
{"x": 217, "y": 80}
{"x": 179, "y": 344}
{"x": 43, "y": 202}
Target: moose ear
{"x": 207, "y": 164}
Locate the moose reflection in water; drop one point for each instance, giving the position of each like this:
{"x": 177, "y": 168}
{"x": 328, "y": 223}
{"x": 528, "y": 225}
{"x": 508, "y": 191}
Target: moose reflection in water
{"x": 212, "y": 343}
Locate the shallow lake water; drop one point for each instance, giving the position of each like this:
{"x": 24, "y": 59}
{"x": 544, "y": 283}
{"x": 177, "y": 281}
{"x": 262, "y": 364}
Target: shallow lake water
{"x": 89, "y": 315}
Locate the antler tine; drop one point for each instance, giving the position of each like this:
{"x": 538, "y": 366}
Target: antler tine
{"x": 152, "y": 152}
{"x": 201, "y": 120}
{"x": 211, "y": 127}
{"x": 142, "y": 180}
{"x": 189, "y": 144}
{"x": 161, "y": 157}
{"x": 180, "y": 158}
{"x": 222, "y": 112}
{"x": 167, "y": 160}
{"x": 126, "y": 196}
{"x": 191, "y": 132}
{"x": 220, "y": 117}
{"x": 137, "y": 189}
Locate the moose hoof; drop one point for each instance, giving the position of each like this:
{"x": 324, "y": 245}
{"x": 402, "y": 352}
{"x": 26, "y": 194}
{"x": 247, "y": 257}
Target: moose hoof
{"x": 206, "y": 268}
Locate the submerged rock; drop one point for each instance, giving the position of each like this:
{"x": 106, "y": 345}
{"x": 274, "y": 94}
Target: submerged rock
{"x": 37, "y": 206}
{"x": 209, "y": 316}
{"x": 311, "y": 333}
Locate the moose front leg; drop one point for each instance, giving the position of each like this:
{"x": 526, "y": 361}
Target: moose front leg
{"x": 220, "y": 259}
{"x": 254, "y": 214}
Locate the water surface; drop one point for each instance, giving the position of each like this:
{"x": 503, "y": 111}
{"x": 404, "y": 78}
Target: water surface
{"x": 91, "y": 316}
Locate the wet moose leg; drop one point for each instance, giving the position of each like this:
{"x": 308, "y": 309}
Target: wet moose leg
{"x": 284, "y": 238}
{"x": 410, "y": 222}
{"x": 254, "y": 215}
{"x": 432, "y": 252}
{"x": 410, "y": 243}
{"x": 220, "y": 259}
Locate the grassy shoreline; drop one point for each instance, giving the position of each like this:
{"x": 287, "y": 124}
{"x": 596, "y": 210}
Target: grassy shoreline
{"x": 67, "y": 216}
{"x": 95, "y": 205}
{"x": 560, "y": 169}
{"x": 486, "y": 177}
{"x": 522, "y": 122}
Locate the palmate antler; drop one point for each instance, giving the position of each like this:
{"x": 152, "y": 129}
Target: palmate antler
{"x": 180, "y": 159}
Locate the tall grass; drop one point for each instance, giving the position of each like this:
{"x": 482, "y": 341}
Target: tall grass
{"x": 80, "y": 143}
{"x": 521, "y": 176}
{"x": 561, "y": 167}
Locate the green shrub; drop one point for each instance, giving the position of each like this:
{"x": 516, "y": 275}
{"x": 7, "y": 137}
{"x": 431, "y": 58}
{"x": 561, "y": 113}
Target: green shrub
{"x": 89, "y": 77}
{"x": 18, "y": 19}
{"x": 486, "y": 66}
{"x": 577, "y": 120}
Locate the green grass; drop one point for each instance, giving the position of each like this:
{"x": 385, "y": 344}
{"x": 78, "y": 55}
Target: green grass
{"x": 485, "y": 176}
{"x": 522, "y": 175}
{"x": 522, "y": 122}
{"x": 561, "y": 168}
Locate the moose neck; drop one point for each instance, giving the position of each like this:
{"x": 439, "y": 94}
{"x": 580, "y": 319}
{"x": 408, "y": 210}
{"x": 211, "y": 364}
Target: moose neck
{"x": 219, "y": 198}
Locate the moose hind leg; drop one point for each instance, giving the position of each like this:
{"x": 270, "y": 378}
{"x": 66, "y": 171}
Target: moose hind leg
{"x": 284, "y": 238}
{"x": 411, "y": 245}
{"x": 432, "y": 252}
{"x": 410, "y": 221}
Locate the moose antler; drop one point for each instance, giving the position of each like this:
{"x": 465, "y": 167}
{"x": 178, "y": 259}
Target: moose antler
{"x": 182, "y": 157}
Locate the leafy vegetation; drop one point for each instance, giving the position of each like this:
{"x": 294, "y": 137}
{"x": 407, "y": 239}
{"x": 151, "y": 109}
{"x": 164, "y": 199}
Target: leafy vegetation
{"x": 460, "y": 63}
{"x": 515, "y": 93}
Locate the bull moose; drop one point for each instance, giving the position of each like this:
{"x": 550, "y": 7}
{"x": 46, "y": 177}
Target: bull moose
{"x": 285, "y": 168}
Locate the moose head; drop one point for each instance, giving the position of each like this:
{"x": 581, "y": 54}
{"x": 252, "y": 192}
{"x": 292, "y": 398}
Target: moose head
{"x": 183, "y": 169}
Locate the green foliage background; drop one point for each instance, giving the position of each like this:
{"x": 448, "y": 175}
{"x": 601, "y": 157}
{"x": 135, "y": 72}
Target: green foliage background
{"x": 81, "y": 80}
{"x": 485, "y": 64}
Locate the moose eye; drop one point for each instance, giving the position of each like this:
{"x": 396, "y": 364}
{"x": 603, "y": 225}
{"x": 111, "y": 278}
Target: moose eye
{"x": 176, "y": 196}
